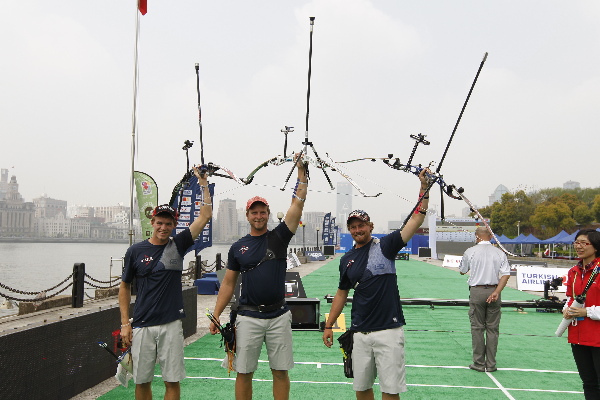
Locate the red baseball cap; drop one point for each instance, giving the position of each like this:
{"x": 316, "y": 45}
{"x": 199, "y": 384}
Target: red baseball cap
{"x": 256, "y": 199}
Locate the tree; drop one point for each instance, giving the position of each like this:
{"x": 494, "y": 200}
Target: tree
{"x": 569, "y": 199}
{"x": 596, "y": 208}
{"x": 583, "y": 215}
{"x": 550, "y": 218}
{"x": 514, "y": 208}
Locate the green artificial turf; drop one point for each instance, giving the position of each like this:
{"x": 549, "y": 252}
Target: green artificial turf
{"x": 533, "y": 364}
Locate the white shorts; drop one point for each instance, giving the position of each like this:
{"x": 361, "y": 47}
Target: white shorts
{"x": 160, "y": 343}
{"x": 250, "y": 333}
{"x": 379, "y": 353}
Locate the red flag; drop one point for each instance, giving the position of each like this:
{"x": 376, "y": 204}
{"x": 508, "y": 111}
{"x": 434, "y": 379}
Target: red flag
{"x": 143, "y": 6}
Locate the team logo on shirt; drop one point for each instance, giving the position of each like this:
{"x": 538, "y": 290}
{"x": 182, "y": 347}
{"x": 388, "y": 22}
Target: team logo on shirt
{"x": 244, "y": 249}
{"x": 349, "y": 263}
{"x": 147, "y": 259}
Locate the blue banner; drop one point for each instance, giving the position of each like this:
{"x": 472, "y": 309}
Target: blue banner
{"x": 327, "y": 230}
{"x": 191, "y": 199}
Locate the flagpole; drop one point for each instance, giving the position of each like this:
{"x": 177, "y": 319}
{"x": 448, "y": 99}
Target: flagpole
{"x": 134, "y": 121}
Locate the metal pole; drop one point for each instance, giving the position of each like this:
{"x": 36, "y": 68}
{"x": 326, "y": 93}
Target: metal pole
{"x": 317, "y": 239}
{"x": 197, "y": 272}
{"x": 78, "y": 277}
{"x": 303, "y": 240}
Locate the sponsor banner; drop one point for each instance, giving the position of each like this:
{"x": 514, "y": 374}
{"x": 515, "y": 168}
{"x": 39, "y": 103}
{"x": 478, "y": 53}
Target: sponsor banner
{"x": 327, "y": 236}
{"x": 292, "y": 261}
{"x": 147, "y": 199}
{"x": 533, "y": 278}
{"x": 452, "y": 261}
{"x": 191, "y": 202}
{"x": 315, "y": 255}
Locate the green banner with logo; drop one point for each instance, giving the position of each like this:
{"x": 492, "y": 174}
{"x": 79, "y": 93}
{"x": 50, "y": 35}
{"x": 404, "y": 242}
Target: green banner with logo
{"x": 147, "y": 199}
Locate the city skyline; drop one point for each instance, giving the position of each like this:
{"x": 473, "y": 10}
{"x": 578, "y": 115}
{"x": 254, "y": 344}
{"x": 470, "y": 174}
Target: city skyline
{"x": 235, "y": 227}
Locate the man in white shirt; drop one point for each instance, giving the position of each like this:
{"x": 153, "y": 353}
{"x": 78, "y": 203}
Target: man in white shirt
{"x": 490, "y": 271}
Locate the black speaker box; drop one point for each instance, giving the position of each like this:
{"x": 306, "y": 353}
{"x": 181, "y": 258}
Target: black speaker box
{"x": 305, "y": 313}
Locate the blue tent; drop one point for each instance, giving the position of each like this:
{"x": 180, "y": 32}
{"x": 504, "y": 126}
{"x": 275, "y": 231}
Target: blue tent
{"x": 519, "y": 239}
{"x": 530, "y": 239}
{"x": 557, "y": 238}
{"x": 570, "y": 238}
{"x": 503, "y": 239}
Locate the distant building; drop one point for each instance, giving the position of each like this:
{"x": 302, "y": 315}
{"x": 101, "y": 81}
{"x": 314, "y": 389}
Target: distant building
{"x": 312, "y": 220}
{"x": 227, "y": 220}
{"x": 497, "y": 195}
{"x": 118, "y": 213}
{"x": 56, "y": 227}
{"x": 343, "y": 204}
{"x": 47, "y": 207}
{"x": 571, "y": 185}
{"x": 16, "y": 216}
{"x": 80, "y": 211}
{"x": 3, "y": 183}
{"x": 467, "y": 210}
{"x": 80, "y": 228}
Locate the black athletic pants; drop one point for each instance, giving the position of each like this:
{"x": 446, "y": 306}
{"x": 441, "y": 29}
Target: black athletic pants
{"x": 587, "y": 359}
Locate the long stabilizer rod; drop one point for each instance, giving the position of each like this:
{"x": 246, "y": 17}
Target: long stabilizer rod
{"x": 439, "y": 167}
{"x": 199, "y": 113}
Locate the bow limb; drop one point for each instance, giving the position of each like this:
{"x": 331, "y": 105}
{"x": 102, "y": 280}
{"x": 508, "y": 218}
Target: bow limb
{"x": 476, "y": 211}
{"x": 277, "y": 160}
{"x": 212, "y": 168}
{"x": 334, "y": 167}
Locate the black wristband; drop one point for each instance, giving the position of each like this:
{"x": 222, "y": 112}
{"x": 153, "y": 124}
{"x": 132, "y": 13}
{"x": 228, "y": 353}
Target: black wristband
{"x": 328, "y": 327}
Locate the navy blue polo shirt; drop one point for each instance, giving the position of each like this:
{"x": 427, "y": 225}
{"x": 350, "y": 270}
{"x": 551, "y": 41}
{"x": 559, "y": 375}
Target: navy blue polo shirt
{"x": 263, "y": 284}
{"x": 370, "y": 270}
{"x": 157, "y": 270}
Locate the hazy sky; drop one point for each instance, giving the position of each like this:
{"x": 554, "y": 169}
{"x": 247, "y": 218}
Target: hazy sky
{"x": 381, "y": 70}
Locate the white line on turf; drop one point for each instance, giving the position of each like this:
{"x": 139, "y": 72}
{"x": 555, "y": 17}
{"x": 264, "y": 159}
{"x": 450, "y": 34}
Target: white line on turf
{"x": 500, "y": 386}
{"x": 409, "y": 384}
{"x": 319, "y": 363}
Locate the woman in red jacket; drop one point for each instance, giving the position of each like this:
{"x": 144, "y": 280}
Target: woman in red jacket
{"x": 584, "y": 331}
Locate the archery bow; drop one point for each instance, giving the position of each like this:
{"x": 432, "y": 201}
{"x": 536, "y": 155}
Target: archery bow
{"x": 317, "y": 163}
{"x": 436, "y": 177}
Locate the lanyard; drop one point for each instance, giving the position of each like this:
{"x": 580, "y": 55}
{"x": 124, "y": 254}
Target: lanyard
{"x": 590, "y": 279}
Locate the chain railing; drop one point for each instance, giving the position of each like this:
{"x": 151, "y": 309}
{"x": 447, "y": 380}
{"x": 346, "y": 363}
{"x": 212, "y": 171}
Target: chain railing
{"x": 80, "y": 280}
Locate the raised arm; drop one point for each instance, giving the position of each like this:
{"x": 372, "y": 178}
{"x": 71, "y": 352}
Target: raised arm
{"x": 293, "y": 215}
{"x": 206, "y": 210}
{"x": 416, "y": 220}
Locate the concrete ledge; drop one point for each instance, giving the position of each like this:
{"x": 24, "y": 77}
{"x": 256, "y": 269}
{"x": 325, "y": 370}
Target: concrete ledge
{"x": 104, "y": 293}
{"x": 57, "y": 301}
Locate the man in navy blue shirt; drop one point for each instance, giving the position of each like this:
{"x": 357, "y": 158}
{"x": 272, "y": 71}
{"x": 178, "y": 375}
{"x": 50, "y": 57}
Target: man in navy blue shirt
{"x": 156, "y": 332}
{"x": 377, "y": 318}
{"x": 262, "y": 315}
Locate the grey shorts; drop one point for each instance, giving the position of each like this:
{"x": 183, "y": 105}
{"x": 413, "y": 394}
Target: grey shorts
{"x": 160, "y": 343}
{"x": 379, "y": 354}
{"x": 250, "y": 333}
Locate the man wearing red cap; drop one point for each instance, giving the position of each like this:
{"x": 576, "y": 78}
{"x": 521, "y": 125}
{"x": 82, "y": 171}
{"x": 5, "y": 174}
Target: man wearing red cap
{"x": 262, "y": 315}
{"x": 377, "y": 318}
{"x": 156, "y": 331}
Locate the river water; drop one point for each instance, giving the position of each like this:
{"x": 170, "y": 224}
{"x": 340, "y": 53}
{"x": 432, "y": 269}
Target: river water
{"x": 33, "y": 267}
